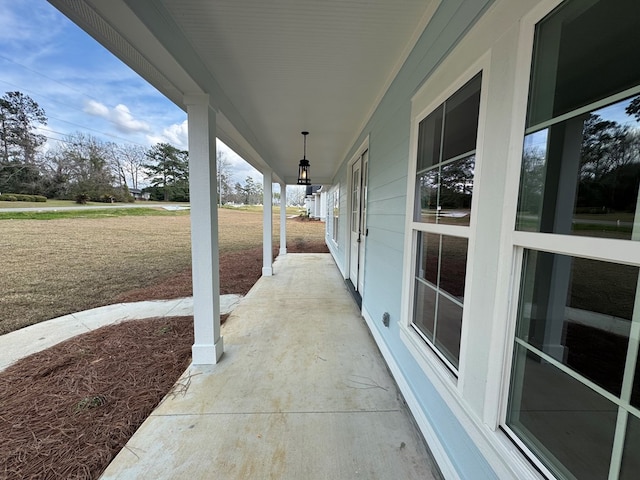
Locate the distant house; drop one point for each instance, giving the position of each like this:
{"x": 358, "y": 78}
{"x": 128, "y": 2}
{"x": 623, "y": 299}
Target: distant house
{"x": 138, "y": 194}
{"x": 315, "y": 202}
{"x": 481, "y": 163}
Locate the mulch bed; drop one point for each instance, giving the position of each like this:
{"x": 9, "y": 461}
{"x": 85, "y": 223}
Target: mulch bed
{"x": 67, "y": 411}
{"x": 239, "y": 271}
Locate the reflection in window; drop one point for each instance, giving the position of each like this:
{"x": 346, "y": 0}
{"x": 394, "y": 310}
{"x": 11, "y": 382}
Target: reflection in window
{"x": 563, "y": 421}
{"x": 439, "y": 292}
{"x": 579, "y": 312}
{"x": 581, "y": 176}
{"x": 575, "y": 386}
{"x": 630, "y": 458}
{"x": 573, "y": 330}
{"x": 446, "y": 158}
{"x": 335, "y": 209}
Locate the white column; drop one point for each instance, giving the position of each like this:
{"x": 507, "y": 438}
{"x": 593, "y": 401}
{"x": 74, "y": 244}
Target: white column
{"x": 207, "y": 347}
{"x": 267, "y": 225}
{"x": 283, "y": 219}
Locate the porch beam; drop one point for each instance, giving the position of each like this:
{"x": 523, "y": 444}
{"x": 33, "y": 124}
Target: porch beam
{"x": 208, "y": 347}
{"x": 267, "y": 224}
{"x": 283, "y": 219}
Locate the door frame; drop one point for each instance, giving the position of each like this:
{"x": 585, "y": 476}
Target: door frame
{"x": 359, "y": 155}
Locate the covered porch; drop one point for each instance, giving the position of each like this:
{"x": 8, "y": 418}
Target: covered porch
{"x": 302, "y": 392}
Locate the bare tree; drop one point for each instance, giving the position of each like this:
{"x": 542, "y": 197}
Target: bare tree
{"x": 224, "y": 175}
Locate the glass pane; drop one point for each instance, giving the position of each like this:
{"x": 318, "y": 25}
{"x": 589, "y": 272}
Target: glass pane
{"x": 456, "y": 188}
{"x": 429, "y": 257}
{"x": 635, "y": 392}
{"x": 578, "y": 311}
{"x": 581, "y": 176}
{"x": 568, "y": 426}
{"x": 448, "y": 329}
{"x": 429, "y": 139}
{"x": 453, "y": 266}
{"x": 428, "y": 184}
{"x": 532, "y": 178}
{"x": 575, "y": 44}
{"x": 425, "y": 309}
{"x": 630, "y": 458}
{"x": 461, "y": 120}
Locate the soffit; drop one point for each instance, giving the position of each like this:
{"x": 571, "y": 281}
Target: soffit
{"x": 273, "y": 68}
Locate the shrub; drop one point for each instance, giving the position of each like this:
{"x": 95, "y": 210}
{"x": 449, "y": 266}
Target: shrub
{"x": 82, "y": 198}
{"x": 18, "y": 197}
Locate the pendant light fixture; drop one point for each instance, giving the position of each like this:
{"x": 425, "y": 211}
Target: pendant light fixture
{"x": 303, "y": 168}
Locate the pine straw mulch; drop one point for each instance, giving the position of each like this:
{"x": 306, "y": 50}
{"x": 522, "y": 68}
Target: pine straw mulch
{"x": 67, "y": 411}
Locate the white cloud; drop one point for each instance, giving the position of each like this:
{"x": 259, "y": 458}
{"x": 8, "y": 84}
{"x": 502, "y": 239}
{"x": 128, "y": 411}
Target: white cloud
{"x": 175, "y": 134}
{"x": 120, "y": 117}
{"x": 124, "y": 121}
{"x": 96, "y": 108}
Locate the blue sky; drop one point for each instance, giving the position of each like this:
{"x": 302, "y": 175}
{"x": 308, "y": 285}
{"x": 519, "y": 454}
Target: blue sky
{"x": 84, "y": 88}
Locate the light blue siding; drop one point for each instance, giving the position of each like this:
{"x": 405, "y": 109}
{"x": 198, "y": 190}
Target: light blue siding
{"x": 389, "y": 131}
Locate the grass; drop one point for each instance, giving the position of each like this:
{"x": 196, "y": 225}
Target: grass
{"x": 89, "y": 213}
{"x": 65, "y": 203}
{"x": 64, "y": 265}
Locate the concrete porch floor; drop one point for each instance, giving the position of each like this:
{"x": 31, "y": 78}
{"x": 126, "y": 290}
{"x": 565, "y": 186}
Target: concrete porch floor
{"x": 301, "y": 392}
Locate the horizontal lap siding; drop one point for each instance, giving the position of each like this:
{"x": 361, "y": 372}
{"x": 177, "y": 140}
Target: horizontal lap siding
{"x": 388, "y": 131}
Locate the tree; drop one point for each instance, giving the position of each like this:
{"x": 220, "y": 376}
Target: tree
{"x": 249, "y": 193}
{"x": 127, "y": 163}
{"x": 169, "y": 171}
{"x": 80, "y": 166}
{"x": 19, "y": 115}
{"x": 224, "y": 174}
{"x": 295, "y": 194}
{"x": 633, "y": 109}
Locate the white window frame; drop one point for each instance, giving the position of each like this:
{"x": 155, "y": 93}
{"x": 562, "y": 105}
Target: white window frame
{"x": 427, "y": 355}
{"x": 333, "y": 201}
{"x": 484, "y": 425}
{"x": 602, "y": 249}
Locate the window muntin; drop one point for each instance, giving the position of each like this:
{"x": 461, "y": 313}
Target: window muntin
{"x": 334, "y": 212}
{"x": 579, "y": 311}
{"x": 446, "y": 158}
{"x": 570, "y": 361}
{"x": 575, "y": 385}
{"x": 580, "y": 176}
{"x": 439, "y": 292}
{"x": 565, "y": 423}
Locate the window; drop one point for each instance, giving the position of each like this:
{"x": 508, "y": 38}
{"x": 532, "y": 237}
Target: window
{"x": 444, "y": 186}
{"x": 574, "y": 399}
{"x": 334, "y": 209}
{"x": 446, "y": 158}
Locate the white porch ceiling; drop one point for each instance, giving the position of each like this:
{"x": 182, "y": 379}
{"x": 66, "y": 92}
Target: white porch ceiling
{"x": 272, "y": 68}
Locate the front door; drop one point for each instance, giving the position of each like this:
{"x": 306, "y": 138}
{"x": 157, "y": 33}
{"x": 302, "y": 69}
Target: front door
{"x": 358, "y": 229}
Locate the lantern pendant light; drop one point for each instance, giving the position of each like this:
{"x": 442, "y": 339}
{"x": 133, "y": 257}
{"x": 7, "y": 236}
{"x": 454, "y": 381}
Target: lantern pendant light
{"x": 303, "y": 168}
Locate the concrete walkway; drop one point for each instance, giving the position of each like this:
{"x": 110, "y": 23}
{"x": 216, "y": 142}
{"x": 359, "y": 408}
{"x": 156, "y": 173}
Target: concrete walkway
{"x": 301, "y": 392}
{"x": 32, "y": 339}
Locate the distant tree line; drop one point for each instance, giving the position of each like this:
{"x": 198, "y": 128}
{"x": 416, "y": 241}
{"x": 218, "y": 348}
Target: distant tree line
{"x": 609, "y": 171}
{"x": 83, "y": 168}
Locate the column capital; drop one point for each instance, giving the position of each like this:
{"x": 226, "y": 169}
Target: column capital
{"x": 196, "y": 99}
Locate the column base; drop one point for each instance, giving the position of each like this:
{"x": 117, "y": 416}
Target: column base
{"x": 267, "y": 271}
{"x": 207, "y": 354}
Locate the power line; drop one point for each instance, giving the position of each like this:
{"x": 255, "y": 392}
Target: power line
{"x": 47, "y": 77}
{"x": 73, "y": 108}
